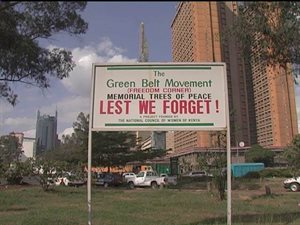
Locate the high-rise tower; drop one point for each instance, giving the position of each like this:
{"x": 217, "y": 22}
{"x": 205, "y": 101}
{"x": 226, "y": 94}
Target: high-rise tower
{"x": 196, "y": 37}
{"x": 46, "y": 132}
{"x": 273, "y": 117}
{"x": 261, "y": 97}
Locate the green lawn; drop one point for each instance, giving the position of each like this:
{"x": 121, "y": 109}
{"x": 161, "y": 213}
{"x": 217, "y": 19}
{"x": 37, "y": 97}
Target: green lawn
{"x": 119, "y": 206}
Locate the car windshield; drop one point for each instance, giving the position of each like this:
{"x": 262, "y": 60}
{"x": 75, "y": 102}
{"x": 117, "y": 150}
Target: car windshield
{"x": 140, "y": 174}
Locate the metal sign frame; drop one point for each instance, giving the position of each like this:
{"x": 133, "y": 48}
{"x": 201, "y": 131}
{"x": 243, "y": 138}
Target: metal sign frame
{"x": 95, "y": 123}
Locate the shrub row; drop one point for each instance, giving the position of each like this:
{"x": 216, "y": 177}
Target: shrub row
{"x": 269, "y": 172}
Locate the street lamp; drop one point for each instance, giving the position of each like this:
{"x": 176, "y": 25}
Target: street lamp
{"x": 241, "y": 144}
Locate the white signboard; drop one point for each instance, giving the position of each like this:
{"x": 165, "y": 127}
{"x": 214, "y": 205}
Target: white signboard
{"x": 172, "y": 96}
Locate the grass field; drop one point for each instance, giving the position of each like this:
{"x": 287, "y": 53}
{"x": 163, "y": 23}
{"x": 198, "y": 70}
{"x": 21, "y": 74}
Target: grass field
{"x": 30, "y": 205}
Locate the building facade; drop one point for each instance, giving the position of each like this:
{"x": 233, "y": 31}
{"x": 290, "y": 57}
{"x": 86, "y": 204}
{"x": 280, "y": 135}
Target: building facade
{"x": 170, "y": 141}
{"x": 196, "y": 37}
{"x": 46, "y": 132}
{"x": 261, "y": 97}
{"x": 27, "y": 145}
{"x": 28, "y": 148}
{"x": 273, "y": 116}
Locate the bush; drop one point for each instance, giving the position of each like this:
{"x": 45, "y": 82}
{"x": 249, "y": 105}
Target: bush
{"x": 275, "y": 173}
{"x": 16, "y": 172}
{"x": 13, "y": 176}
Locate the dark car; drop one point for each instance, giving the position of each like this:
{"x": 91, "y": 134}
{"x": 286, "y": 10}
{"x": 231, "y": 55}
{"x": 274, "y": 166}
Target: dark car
{"x": 108, "y": 179}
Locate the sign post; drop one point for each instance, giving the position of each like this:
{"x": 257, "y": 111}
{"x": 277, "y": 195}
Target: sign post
{"x": 161, "y": 97}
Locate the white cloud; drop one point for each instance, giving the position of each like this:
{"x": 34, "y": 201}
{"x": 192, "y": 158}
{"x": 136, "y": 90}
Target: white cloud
{"x": 68, "y": 108}
{"x": 20, "y": 123}
{"x": 79, "y": 80}
{"x": 29, "y": 133}
{"x": 67, "y": 131}
{"x": 106, "y": 48}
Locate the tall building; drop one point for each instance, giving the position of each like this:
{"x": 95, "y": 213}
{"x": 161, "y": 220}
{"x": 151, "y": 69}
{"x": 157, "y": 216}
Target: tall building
{"x": 27, "y": 145}
{"x": 46, "y": 132}
{"x": 28, "y": 148}
{"x": 196, "y": 37}
{"x": 273, "y": 117}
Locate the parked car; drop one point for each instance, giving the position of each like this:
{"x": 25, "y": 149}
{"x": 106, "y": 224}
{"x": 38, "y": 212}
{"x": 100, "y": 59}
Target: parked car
{"x": 108, "y": 179}
{"x": 127, "y": 176}
{"x": 292, "y": 183}
{"x": 199, "y": 174}
{"x": 147, "y": 179}
{"x": 169, "y": 179}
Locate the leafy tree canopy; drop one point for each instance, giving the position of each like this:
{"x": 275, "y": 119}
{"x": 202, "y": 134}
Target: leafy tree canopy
{"x": 215, "y": 163}
{"x": 275, "y": 26}
{"x": 112, "y": 148}
{"x": 109, "y": 149}
{"x": 73, "y": 148}
{"x": 81, "y": 129}
{"x": 22, "y": 60}
{"x": 292, "y": 154}
{"x": 10, "y": 151}
{"x": 259, "y": 154}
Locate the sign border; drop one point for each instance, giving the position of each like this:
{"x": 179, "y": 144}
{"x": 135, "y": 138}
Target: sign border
{"x": 161, "y": 66}
{"x": 227, "y": 128}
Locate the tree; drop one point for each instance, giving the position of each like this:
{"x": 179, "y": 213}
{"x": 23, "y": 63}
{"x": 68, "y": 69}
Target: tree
{"x": 277, "y": 27}
{"x": 215, "y": 163}
{"x": 73, "y": 148}
{"x": 108, "y": 148}
{"x": 259, "y": 154}
{"x": 10, "y": 151}
{"x": 292, "y": 155}
{"x": 80, "y": 137}
{"x": 15, "y": 173}
{"x": 10, "y": 166}
{"x": 81, "y": 129}
{"x": 22, "y": 60}
{"x": 47, "y": 171}
{"x": 69, "y": 153}
{"x": 269, "y": 33}
{"x": 112, "y": 148}
{"x": 115, "y": 149}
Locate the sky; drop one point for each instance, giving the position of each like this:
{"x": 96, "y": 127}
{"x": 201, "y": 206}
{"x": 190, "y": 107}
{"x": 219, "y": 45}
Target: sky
{"x": 112, "y": 36}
